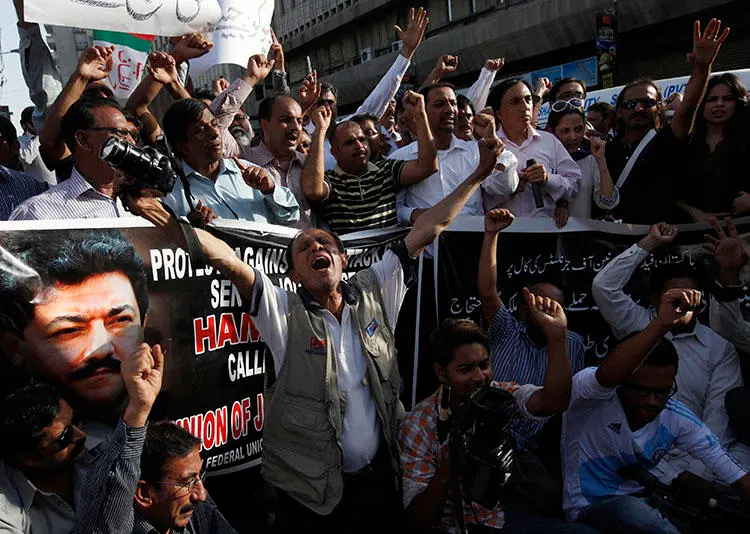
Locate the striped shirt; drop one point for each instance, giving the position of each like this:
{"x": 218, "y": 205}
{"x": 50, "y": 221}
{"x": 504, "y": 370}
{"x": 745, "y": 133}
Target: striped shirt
{"x": 516, "y": 358}
{"x": 74, "y": 198}
{"x": 15, "y": 187}
{"x": 363, "y": 202}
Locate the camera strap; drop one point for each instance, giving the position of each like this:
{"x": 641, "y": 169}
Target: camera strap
{"x": 194, "y": 250}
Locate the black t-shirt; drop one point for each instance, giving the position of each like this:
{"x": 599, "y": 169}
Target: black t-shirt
{"x": 648, "y": 195}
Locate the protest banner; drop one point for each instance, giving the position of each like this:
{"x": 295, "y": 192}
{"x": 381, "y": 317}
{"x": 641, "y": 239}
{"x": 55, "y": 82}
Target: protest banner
{"x": 158, "y": 17}
{"x": 130, "y": 55}
{"x": 243, "y": 31}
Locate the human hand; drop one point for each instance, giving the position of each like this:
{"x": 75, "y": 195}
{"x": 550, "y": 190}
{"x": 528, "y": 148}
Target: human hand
{"x": 494, "y": 64}
{"x": 321, "y": 117}
{"x": 706, "y": 46}
{"x": 489, "y": 151}
{"x": 142, "y": 373}
{"x": 414, "y": 33}
{"x": 191, "y": 46}
{"x": 277, "y": 52}
{"x": 413, "y": 104}
{"x": 673, "y": 101}
{"x": 258, "y": 68}
{"x": 309, "y": 92}
{"x": 548, "y": 314}
{"x": 677, "y": 306}
{"x": 728, "y": 249}
{"x": 741, "y": 204}
{"x": 484, "y": 126}
{"x": 201, "y": 215}
{"x": 497, "y": 220}
{"x": 256, "y": 177}
{"x": 96, "y": 63}
{"x": 659, "y": 234}
{"x": 446, "y": 64}
{"x": 598, "y": 147}
{"x": 219, "y": 85}
{"x": 162, "y": 68}
{"x": 542, "y": 87}
{"x": 561, "y": 213}
{"x": 535, "y": 174}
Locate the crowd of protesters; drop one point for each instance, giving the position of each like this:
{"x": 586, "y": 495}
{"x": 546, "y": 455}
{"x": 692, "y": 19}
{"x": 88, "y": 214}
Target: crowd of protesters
{"x": 340, "y": 454}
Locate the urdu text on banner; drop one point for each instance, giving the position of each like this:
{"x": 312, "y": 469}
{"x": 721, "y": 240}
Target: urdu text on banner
{"x": 157, "y": 17}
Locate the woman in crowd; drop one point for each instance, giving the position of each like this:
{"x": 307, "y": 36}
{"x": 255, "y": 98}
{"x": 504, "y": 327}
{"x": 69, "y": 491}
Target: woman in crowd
{"x": 568, "y": 123}
{"x": 718, "y": 153}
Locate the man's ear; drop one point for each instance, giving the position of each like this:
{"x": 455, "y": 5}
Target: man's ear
{"x": 82, "y": 141}
{"x": 344, "y": 261}
{"x": 143, "y": 495}
{"x": 440, "y": 372}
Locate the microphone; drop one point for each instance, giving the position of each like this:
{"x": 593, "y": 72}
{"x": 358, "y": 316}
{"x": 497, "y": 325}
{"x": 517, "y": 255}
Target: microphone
{"x": 536, "y": 188}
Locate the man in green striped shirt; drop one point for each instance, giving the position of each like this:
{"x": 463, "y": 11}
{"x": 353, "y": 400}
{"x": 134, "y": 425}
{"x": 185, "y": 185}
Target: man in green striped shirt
{"x": 359, "y": 194}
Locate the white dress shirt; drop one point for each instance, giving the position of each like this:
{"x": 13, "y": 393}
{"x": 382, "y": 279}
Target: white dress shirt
{"x": 361, "y": 434}
{"x": 456, "y": 163}
{"x": 32, "y": 160}
{"x": 708, "y": 365}
{"x": 727, "y": 320}
{"x": 563, "y": 173}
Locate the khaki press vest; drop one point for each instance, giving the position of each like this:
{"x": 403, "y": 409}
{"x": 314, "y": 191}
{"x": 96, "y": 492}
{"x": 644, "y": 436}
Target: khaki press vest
{"x": 302, "y": 451}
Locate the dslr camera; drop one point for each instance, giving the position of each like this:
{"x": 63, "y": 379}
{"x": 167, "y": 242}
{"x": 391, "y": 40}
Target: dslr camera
{"x": 150, "y": 167}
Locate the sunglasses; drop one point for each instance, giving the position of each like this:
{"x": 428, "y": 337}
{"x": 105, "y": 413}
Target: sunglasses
{"x": 563, "y": 105}
{"x": 647, "y": 103}
{"x": 65, "y": 439}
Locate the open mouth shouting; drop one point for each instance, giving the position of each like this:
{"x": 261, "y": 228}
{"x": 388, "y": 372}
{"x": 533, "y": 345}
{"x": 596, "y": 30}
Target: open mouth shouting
{"x": 320, "y": 263}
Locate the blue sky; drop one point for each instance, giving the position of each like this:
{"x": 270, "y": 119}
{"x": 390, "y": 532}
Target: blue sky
{"x": 13, "y": 92}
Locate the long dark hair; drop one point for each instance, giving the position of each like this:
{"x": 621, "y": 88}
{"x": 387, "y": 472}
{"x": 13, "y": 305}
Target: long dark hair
{"x": 740, "y": 120}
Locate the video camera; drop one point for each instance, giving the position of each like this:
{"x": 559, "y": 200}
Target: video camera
{"x": 694, "y": 507}
{"x": 150, "y": 167}
{"x": 478, "y": 433}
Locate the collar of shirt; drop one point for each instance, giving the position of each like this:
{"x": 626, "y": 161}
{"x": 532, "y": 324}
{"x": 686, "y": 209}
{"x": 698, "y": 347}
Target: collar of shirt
{"x": 262, "y": 156}
{"x": 699, "y": 332}
{"x": 142, "y": 526}
{"x": 371, "y": 167}
{"x": 504, "y": 137}
{"x": 226, "y": 166}
{"x": 78, "y": 185}
{"x": 350, "y": 297}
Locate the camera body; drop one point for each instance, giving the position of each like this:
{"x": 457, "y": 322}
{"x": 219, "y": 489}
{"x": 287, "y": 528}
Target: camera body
{"x": 150, "y": 167}
{"x": 480, "y": 428}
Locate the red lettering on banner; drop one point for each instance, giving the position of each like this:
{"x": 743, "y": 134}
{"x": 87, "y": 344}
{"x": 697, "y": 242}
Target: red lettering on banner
{"x": 248, "y": 332}
{"x": 227, "y": 331}
{"x": 204, "y": 332}
{"x": 258, "y": 420}
{"x": 236, "y": 420}
{"x": 220, "y": 437}
{"x": 245, "y": 415}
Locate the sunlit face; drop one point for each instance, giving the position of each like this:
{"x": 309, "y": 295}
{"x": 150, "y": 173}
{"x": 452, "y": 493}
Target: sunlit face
{"x": 202, "y": 143}
{"x": 720, "y": 105}
{"x": 469, "y": 370}
{"x": 281, "y": 133}
{"x": 570, "y": 131}
{"x": 570, "y": 90}
{"x": 515, "y": 108}
{"x": 305, "y": 143}
{"x": 642, "y": 116}
{"x": 81, "y": 333}
{"x": 350, "y": 148}
{"x": 378, "y": 145}
{"x": 464, "y": 128}
{"x": 442, "y": 109}
{"x": 318, "y": 262}
{"x": 173, "y": 505}
{"x": 646, "y": 392}
{"x": 61, "y": 443}
{"x": 329, "y": 99}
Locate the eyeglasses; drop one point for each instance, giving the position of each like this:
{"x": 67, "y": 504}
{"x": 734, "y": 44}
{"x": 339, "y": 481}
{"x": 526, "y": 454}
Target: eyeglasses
{"x": 64, "y": 440}
{"x": 643, "y": 391}
{"x": 562, "y": 105}
{"x": 567, "y": 95}
{"x": 647, "y": 103}
{"x": 122, "y": 133}
{"x": 186, "y": 488}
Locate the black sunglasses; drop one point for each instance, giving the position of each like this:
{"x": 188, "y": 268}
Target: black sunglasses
{"x": 64, "y": 440}
{"x": 647, "y": 103}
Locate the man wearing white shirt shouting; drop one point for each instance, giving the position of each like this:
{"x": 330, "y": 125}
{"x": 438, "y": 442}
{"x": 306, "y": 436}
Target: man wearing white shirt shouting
{"x": 709, "y": 365}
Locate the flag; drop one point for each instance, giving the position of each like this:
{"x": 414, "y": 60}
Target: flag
{"x": 131, "y": 52}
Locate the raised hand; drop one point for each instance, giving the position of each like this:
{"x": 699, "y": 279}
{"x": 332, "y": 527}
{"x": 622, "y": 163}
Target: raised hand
{"x": 447, "y": 64}
{"x": 548, "y": 314}
{"x": 597, "y": 148}
{"x": 414, "y": 33}
{"x": 677, "y": 306}
{"x": 495, "y": 64}
{"x": 162, "y": 68}
{"x": 706, "y": 46}
{"x": 142, "y": 373}
{"x": 256, "y": 177}
{"x": 728, "y": 249}
{"x": 542, "y": 87}
{"x": 96, "y": 63}
{"x": 190, "y": 46}
{"x": 497, "y": 220}
{"x": 309, "y": 92}
{"x": 413, "y": 104}
{"x": 277, "y": 52}
{"x": 489, "y": 150}
{"x": 484, "y": 126}
{"x": 258, "y": 68}
{"x": 219, "y": 85}
{"x": 741, "y": 204}
{"x": 321, "y": 117}
{"x": 659, "y": 234}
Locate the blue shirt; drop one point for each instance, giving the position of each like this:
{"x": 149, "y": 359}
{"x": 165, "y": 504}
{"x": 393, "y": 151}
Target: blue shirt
{"x": 231, "y": 198}
{"x": 15, "y": 187}
{"x": 516, "y": 358}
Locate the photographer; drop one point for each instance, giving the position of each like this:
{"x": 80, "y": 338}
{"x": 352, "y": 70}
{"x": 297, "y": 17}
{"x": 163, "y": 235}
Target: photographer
{"x": 92, "y": 189}
{"x": 462, "y": 363}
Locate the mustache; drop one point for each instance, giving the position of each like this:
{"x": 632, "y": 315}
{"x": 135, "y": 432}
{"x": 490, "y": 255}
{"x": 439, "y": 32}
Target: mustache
{"x": 93, "y": 366}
